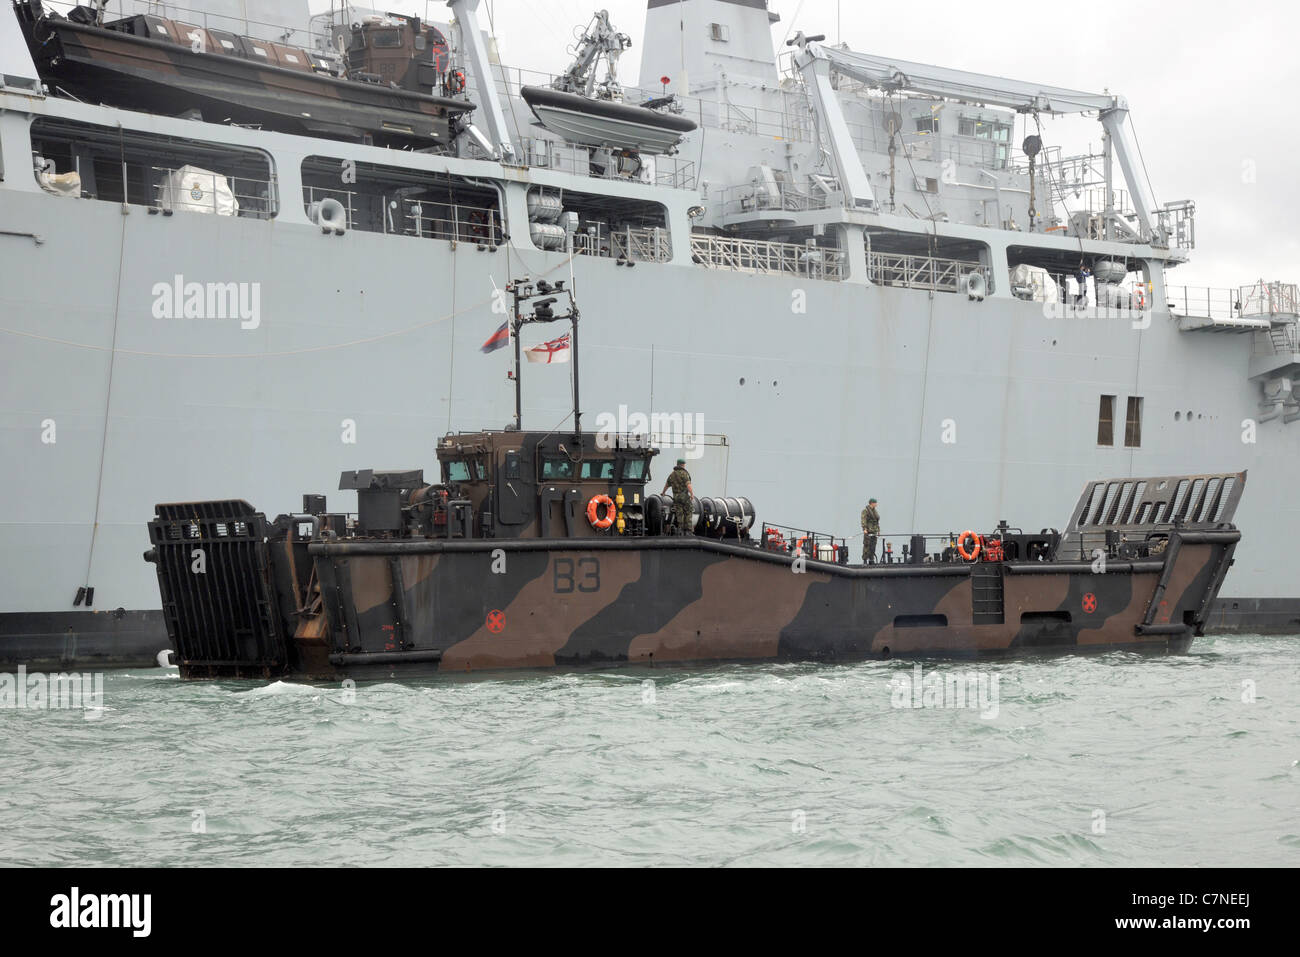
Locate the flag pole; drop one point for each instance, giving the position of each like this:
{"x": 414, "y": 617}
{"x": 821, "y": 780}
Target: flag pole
{"x": 573, "y": 345}
{"x": 516, "y": 323}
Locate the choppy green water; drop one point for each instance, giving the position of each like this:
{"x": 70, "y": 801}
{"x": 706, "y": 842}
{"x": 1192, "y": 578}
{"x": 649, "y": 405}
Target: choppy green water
{"x": 759, "y": 764}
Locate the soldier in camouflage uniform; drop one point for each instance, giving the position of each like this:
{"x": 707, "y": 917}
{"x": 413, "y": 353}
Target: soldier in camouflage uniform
{"x": 870, "y": 529}
{"x": 679, "y": 480}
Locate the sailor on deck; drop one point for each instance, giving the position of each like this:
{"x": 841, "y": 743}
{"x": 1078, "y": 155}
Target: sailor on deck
{"x": 870, "y": 529}
{"x": 679, "y": 480}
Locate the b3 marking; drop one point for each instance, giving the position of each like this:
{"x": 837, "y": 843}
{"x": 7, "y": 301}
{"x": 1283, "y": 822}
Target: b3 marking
{"x": 582, "y": 575}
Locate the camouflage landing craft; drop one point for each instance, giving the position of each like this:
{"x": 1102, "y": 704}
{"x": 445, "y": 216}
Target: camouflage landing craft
{"x": 541, "y": 550}
{"x": 499, "y": 566}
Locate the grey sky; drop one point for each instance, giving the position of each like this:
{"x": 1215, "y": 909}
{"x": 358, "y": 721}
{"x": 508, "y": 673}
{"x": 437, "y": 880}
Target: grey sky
{"x": 1212, "y": 88}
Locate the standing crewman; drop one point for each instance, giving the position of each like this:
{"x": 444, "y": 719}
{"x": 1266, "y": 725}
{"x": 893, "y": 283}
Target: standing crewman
{"x": 870, "y": 529}
{"x": 679, "y": 480}
{"x": 1081, "y": 277}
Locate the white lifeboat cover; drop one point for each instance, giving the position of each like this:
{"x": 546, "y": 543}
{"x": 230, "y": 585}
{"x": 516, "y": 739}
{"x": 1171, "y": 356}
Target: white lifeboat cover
{"x": 195, "y": 190}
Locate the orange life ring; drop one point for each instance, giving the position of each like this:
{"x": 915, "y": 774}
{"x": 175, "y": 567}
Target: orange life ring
{"x": 971, "y": 555}
{"x": 456, "y": 81}
{"x": 593, "y": 510}
{"x": 798, "y": 548}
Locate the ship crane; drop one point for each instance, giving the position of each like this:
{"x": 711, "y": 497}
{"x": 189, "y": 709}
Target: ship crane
{"x": 816, "y": 63}
{"x": 599, "y": 39}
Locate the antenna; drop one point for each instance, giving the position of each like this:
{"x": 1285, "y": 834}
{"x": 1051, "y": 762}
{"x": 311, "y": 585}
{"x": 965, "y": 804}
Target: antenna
{"x": 547, "y": 295}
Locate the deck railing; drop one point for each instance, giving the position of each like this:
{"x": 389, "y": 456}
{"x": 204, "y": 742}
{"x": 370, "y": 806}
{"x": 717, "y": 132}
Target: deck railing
{"x": 768, "y": 258}
{"x": 1261, "y": 300}
{"x": 922, "y": 272}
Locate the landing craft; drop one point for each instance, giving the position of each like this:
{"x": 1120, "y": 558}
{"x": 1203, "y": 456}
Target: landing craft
{"x": 550, "y": 549}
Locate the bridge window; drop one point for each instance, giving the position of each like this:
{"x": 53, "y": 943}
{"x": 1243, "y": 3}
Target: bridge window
{"x": 1133, "y": 423}
{"x": 598, "y": 470}
{"x": 1106, "y": 421}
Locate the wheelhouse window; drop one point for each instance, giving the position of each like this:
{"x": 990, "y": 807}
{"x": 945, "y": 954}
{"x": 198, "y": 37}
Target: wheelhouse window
{"x": 458, "y": 471}
{"x": 603, "y": 469}
{"x": 556, "y": 467}
{"x": 1133, "y": 423}
{"x": 634, "y": 470}
{"x": 1106, "y": 421}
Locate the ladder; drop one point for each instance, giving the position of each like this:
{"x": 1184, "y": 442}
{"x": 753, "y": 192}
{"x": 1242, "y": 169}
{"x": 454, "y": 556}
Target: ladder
{"x": 986, "y": 594}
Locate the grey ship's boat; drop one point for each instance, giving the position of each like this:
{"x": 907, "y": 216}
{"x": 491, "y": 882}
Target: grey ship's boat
{"x": 583, "y": 109}
{"x": 267, "y": 305}
{"x": 579, "y": 119}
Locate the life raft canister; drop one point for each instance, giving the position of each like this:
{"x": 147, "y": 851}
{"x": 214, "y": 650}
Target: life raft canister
{"x": 593, "y": 511}
{"x": 969, "y": 554}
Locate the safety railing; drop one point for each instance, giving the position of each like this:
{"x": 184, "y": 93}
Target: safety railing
{"x": 1270, "y": 300}
{"x": 628, "y": 243}
{"x": 923, "y": 272}
{"x": 451, "y": 222}
{"x": 798, "y": 543}
{"x": 180, "y": 189}
{"x": 1261, "y": 300}
{"x": 768, "y": 258}
{"x": 650, "y": 244}
{"x": 1280, "y": 339}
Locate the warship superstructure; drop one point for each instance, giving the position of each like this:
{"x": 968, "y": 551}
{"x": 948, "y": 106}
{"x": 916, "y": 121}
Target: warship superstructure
{"x": 850, "y": 273}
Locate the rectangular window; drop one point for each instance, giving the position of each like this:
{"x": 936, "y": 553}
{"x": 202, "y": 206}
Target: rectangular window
{"x": 1106, "y": 421}
{"x": 927, "y": 124}
{"x": 556, "y": 467}
{"x": 1133, "y": 423}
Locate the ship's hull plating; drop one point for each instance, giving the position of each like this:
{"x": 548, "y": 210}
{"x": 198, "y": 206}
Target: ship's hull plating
{"x": 417, "y": 606}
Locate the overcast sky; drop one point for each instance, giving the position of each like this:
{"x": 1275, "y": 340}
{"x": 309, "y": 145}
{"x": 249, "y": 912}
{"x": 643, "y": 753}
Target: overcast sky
{"x": 1213, "y": 88}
